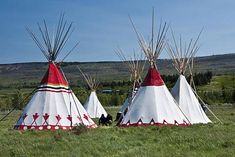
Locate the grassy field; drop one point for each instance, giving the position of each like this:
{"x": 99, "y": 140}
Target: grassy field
{"x": 197, "y": 140}
{"x": 219, "y": 82}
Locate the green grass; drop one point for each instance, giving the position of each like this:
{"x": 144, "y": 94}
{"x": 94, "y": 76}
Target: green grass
{"x": 197, "y": 140}
{"x": 219, "y": 91}
{"x": 217, "y": 82}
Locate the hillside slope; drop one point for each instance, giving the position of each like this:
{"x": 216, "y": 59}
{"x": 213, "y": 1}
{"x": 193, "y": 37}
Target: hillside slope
{"x": 107, "y": 71}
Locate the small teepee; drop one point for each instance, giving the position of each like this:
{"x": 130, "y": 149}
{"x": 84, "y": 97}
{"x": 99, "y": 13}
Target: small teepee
{"x": 53, "y": 105}
{"x": 135, "y": 68}
{"x": 183, "y": 93}
{"x": 153, "y": 104}
{"x": 92, "y": 104}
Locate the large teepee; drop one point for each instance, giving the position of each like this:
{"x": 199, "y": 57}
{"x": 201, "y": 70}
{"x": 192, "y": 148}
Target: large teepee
{"x": 183, "y": 93}
{"x": 53, "y": 105}
{"x": 92, "y": 104}
{"x": 153, "y": 103}
{"x": 135, "y": 68}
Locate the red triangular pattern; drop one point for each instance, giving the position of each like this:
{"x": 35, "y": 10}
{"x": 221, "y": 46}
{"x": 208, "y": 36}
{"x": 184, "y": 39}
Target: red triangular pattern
{"x": 176, "y": 123}
{"x": 54, "y": 77}
{"x": 164, "y": 122}
{"x": 69, "y": 118}
{"x": 185, "y": 122}
{"x": 86, "y": 117}
{"x": 153, "y": 78}
{"x": 139, "y": 121}
{"x": 152, "y": 122}
{"x": 46, "y": 116}
{"x": 35, "y": 116}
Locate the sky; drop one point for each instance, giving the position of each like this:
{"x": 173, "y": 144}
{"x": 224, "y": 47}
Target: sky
{"x": 101, "y": 26}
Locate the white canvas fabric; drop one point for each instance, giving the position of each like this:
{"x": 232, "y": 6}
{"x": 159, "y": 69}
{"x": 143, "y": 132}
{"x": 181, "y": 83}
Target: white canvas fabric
{"x": 188, "y": 102}
{"x": 128, "y": 101}
{"x": 53, "y": 106}
{"x": 54, "y": 110}
{"x": 153, "y": 105}
{"x": 125, "y": 105}
{"x": 94, "y": 107}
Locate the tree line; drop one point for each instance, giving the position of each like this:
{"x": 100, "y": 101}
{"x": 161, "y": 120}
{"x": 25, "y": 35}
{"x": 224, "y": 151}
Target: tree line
{"x": 19, "y": 98}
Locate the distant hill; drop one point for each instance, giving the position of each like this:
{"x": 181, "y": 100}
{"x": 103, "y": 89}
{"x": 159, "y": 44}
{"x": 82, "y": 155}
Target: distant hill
{"x": 107, "y": 71}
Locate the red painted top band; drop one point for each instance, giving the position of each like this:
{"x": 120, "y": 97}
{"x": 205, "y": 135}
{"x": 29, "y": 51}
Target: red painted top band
{"x": 54, "y": 77}
{"x": 153, "y": 78}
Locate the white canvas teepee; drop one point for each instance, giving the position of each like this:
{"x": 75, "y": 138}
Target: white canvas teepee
{"x": 153, "y": 103}
{"x": 127, "y": 103}
{"x": 92, "y": 104}
{"x": 53, "y": 105}
{"x": 182, "y": 91}
{"x": 188, "y": 102}
{"x": 94, "y": 107}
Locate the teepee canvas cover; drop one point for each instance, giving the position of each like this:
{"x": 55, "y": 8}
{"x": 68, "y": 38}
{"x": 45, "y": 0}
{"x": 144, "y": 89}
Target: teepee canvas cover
{"x": 126, "y": 103}
{"x": 53, "y": 105}
{"x": 92, "y": 104}
{"x": 182, "y": 55}
{"x": 153, "y": 103}
{"x": 188, "y": 102}
{"x": 94, "y": 107}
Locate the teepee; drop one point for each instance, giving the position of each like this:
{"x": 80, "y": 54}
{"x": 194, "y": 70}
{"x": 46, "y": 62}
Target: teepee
{"x": 153, "y": 104}
{"x": 92, "y": 104}
{"x": 135, "y": 68}
{"x": 53, "y": 105}
{"x": 183, "y": 93}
